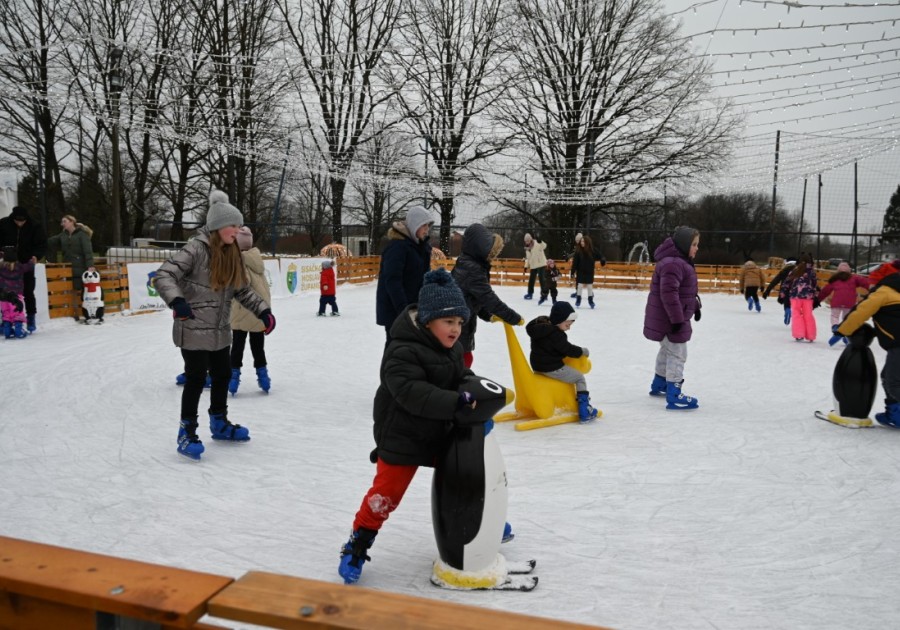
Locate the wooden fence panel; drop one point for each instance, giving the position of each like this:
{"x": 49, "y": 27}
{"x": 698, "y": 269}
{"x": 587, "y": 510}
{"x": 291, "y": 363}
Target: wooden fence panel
{"x": 62, "y": 298}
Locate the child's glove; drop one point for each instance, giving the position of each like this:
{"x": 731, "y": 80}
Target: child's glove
{"x": 325, "y": 287}
{"x": 585, "y": 352}
{"x": 181, "y": 309}
{"x": 816, "y": 302}
{"x": 602, "y": 262}
{"x": 780, "y": 300}
{"x": 268, "y": 320}
{"x": 677, "y": 326}
{"x": 465, "y": 401}
{"x": 488, "y": 426}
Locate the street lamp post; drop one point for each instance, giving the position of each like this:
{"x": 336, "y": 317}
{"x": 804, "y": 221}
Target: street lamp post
{"x": 116, "y": 82}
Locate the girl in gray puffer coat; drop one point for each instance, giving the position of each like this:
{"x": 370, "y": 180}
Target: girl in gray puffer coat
{"x": 671, "y": 304}
{"x": 198, "y": 283}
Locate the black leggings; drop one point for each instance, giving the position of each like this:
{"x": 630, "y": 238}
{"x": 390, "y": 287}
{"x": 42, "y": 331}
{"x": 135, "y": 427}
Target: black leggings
{"x": 196, "y": 364}
{"x": 257, "y": 348}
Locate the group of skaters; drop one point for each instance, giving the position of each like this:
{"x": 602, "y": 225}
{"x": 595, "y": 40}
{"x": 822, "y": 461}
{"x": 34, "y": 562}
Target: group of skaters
{"x": 24, "y": 243}
{"x": 854, "y": 299}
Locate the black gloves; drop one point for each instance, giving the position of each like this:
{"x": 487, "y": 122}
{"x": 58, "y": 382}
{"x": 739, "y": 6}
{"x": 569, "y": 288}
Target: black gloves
{"x": 602, "y": 261}
{"x": 465, "y": 401}
{"x": 780, "y": 300}
{"x": 697, "y": 312}
{"x": 181, "y": 309}
{"x": 268, "y": 320}
{"x": 816, "y": 302}
{"x": 677, "y": 326}
{"x": 765, "y": 294}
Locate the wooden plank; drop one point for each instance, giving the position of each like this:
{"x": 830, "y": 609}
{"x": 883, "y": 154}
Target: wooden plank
{"x": 150, "y": 592}
{"x": 278, "y": 601}
{"x": 28, "y": 613}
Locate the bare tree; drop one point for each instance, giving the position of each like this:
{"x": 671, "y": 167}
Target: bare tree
{"x": 30, "y": 35}
{"x": 378, "y": 202}
{"x": 608, "y": 99}
{"x": 447, "y": 66}
{"x": 341, "y": 44}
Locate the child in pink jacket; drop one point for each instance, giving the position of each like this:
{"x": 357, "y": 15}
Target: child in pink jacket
{"x": 842, "y": 287}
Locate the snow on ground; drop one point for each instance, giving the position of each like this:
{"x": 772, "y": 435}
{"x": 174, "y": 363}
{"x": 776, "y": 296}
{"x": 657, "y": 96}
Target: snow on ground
{"x": 746, "y": 513}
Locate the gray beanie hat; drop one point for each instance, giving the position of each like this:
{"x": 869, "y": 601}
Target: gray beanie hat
{"x": 327, "y": 264}
{"x": 683, "y": 236}
{"x": 440, "y": 297}
{"x": 221, "y": 213}
{"x": 416, "y": 217}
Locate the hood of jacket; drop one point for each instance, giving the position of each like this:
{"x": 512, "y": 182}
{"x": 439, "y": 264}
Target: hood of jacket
{"x": 477, "y": 241}
{"x": 668, "y": 249}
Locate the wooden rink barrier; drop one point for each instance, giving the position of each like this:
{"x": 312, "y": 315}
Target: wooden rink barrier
{"x": 362, "y": 269}
{"x": 47, "y": 587}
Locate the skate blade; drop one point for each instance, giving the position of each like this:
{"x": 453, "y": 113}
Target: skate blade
{"x": 513, "y": 582}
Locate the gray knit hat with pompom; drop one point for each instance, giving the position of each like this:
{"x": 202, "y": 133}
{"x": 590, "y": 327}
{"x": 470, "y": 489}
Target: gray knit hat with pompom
{"x": 221, "y": 213}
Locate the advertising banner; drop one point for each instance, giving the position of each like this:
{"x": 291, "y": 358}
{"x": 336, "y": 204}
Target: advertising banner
{"x": 141, "y": 290}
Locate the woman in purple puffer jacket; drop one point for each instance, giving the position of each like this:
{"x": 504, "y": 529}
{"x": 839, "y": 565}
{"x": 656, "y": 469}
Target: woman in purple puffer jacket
{"x": 672, "y": 301}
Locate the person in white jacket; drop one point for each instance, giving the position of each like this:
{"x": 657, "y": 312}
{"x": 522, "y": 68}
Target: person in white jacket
{"x": 536, "y": 263}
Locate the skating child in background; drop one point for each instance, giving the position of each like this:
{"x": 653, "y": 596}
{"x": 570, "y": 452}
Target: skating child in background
{"x": 550, "y": 345}
{"x": 414, "y": 406}
{"x": 802, "y": 290}
{"x": 788, "y": 267}
{"x": 751, "y": 281}
{"x": 198, "y": 283}
{"x": 671, "y": 304}
{"x": 552, "y": 273}
{"x": 882, "y": 305}
{"x": 327, "y": 288}
{"x": 245, "y": 323}
{"x": 583, "y": 265}
{"x": 843, "y": 287}
{"x": 12, "y": 283}
{"x": 472, "y": 274}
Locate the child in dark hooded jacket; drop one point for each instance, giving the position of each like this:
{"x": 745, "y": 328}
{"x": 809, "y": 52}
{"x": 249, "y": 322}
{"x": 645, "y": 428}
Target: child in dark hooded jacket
{"x": 415, "y": 406}
{"x": 550, "y": 345}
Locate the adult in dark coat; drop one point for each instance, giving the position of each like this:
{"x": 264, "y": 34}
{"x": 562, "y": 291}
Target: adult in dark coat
{"x": 671, "y": 304}
{"x": 583, "y": 265}
{"x": 30, "y": 240}
{"x": 404, "y": 262}
{"x": 472, "y": 273}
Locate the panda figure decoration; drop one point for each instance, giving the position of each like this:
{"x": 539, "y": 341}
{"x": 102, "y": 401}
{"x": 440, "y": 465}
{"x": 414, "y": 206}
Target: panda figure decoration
{"x": 469, "y": 500}
{"x": 92, "y": 298}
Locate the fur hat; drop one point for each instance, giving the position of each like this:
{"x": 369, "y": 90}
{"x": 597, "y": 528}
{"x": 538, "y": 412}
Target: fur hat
{"x": 562, "y": 312}
{"x": 683, "y": 236}
{"x": 9, "y": 254}
{"x": 416, "y": 217}
{"x": 327, "y": 264}
{"x": 221, "y": 213}
{"x": 244, "y": 238}
{"x": 844, "y": 267}
{"x": 440, "y": 297}
{"x": 19, "y": 213}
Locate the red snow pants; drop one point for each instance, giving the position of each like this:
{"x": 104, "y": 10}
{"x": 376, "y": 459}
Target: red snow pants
{"x": 388, "y": 488}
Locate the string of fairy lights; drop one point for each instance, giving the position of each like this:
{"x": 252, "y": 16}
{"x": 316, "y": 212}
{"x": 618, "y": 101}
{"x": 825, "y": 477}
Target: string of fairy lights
{"x": 843, "y": 88}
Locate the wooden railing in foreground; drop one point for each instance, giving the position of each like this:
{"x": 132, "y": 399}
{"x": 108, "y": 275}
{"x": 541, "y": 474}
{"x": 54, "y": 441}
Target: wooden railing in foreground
{"x": 43, "y": 586}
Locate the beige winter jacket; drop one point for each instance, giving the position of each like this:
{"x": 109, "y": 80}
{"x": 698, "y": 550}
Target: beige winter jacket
{"x": 535, "y": 258}
{"x": 186, "y": 274}
{"x": 751, "y": 276}
{"x": 241, "y": 318}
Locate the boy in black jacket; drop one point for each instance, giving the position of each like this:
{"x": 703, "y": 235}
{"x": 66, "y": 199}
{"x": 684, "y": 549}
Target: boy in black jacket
{"x": 550, "y": 345}
{"x": 414, "y": 406}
